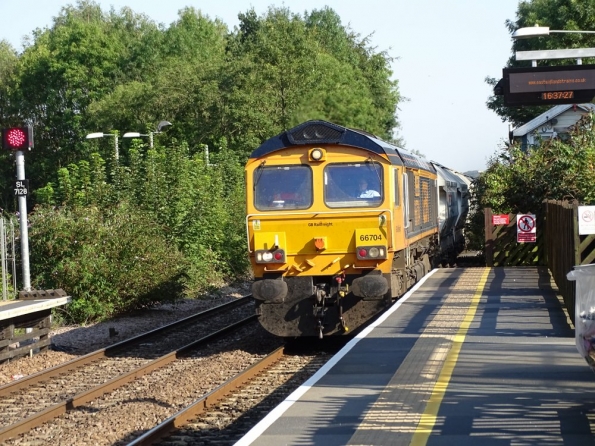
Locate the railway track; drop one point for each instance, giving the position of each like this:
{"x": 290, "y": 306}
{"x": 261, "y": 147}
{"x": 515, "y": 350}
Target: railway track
{"x": 36, "y": 399}
{"x": 229, "y": 411}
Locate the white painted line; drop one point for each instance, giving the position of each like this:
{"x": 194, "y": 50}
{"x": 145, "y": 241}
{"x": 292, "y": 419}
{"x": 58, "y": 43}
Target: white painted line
{"x": 276, "y": 413}
{"x": 34, "y": 306}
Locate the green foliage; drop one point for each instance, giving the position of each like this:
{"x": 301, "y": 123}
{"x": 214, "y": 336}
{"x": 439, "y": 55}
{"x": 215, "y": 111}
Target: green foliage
{"x": 110, "y": 261}
{"x": 199, "y": 208}
{"x": 223, "y": 90}
{"x": 518, "y": 182}
{"x": 96, "y": 71}
{"x": 285, "y": 68}
{"x": 181, "y": 84}
{"x": 558, "y": 15}
{"x": 81, "y": 59}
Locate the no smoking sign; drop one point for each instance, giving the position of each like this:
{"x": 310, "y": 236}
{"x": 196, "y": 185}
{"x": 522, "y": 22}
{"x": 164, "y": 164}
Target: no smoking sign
{"x": 586, "y": 220}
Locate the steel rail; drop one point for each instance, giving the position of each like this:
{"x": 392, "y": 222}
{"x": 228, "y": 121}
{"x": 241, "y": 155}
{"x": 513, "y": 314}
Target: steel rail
{"x": 203, "y": 404}
{"x": 58, "y": 409}
{"x": 60, "y": 369}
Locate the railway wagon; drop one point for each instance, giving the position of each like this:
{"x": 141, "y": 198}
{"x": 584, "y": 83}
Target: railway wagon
{"x": 339, "y": 224}
{"x": 453, "y": 209}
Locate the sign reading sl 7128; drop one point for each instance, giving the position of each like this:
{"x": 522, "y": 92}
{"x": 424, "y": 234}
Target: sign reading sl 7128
{"x": 21, "y": 188}
{"x": 573, "y": 84}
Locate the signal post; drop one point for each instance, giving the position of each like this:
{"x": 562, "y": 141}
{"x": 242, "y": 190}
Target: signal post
{"x": 19, "y": 139}
{"x": 33, "y": 308}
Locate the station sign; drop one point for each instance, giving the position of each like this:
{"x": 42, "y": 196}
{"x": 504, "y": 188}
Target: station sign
{"x": 526, "y": 228}
{"x": 21, "y": 188}
{"x": 572, "y": 84}
{"x": 586, "y": 220}
{"x": 500, "y": 219}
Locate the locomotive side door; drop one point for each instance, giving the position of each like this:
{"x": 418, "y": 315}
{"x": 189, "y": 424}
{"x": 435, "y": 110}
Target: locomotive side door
{"x": 398, "y": 209}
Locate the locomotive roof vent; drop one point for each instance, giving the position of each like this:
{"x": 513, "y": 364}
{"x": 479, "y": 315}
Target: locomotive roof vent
{"x": 315, "y": 132}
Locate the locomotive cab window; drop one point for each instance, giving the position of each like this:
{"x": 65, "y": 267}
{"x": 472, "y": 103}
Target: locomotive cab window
{"x": 282, "y": 187}
{"x": 353, "y": 185}
{"x": 396, "y": 186}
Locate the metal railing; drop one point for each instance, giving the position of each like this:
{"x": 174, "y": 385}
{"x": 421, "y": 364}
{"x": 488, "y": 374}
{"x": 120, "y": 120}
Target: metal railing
{"x": 8, "y": 258}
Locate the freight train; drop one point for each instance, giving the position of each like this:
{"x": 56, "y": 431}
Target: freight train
{"x": 341, "y": 223}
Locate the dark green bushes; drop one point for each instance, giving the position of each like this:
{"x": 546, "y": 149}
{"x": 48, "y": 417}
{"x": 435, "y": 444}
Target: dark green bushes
{"x": 162, "y": 225}
{"x": 110, "y": 261}
{"x": 518, "y": 182}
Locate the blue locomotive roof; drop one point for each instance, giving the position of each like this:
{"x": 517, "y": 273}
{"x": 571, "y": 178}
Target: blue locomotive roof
{"x": 322, "y": 132}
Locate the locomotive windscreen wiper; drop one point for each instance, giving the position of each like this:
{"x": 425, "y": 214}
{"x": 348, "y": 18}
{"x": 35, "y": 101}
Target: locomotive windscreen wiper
{"x": 370, "y": 160}
{"x": 259, "y": 171}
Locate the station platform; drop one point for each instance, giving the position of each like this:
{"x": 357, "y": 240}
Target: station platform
{"x": 476, "y": 356}
{"x": 25, "y": 325}
{"x": 13, "y": 308}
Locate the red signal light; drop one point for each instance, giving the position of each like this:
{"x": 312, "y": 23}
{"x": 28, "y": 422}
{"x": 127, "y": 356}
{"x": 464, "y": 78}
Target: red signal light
{"x": 17, "y": 138}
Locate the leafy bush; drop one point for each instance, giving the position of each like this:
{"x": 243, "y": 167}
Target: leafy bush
{"x": 518, "y": 181}
{"x": 170, "y": 196}
{"x": 200, "y": 204}
{"x": 110, "y": 261}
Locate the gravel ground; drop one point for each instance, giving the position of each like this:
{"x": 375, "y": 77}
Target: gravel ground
{"x": 117, "y": 417}
{"x": 73, "y": 341}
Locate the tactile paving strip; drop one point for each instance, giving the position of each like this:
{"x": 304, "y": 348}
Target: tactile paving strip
{"x": 400, "y": 406}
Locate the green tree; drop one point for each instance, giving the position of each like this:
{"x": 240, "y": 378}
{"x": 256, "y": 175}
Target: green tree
{"x": 559, "y": 15}
{"x": 82, "y": 58}
{"x": 273, "y": 63}
{"x": 310, "y": 67}
{"x": 9, "y": 115}
{"x": 518, "y": 181}
{"x": 182, "y": 87}
{"x": 367, "y": 85}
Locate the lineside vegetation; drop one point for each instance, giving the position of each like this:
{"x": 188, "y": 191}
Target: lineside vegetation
{"x": 165, "y": 222}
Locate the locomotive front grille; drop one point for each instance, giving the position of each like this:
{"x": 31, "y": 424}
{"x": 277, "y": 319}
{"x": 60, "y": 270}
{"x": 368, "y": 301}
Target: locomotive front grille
{"x": 315, "y": 133}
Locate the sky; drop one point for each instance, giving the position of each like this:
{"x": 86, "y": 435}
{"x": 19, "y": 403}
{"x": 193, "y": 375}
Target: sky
{"x": 443, "y": 52}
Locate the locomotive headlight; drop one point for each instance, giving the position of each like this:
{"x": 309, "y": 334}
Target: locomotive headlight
{"x": 267, "y": 256}
{"x": 317, "y": 154}
{"x": 371, "y": 252}
{"x": 374, "y": 252}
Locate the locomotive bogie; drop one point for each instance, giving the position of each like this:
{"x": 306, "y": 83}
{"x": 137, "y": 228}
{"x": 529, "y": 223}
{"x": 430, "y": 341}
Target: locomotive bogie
{"x": 305, "y": 313}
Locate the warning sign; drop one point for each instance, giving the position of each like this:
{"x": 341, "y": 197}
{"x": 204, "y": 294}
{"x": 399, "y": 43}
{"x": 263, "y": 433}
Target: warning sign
{"x": 500, "y": 219}
{"x": 586, "y": 220}
{"x": 526, "y": 231}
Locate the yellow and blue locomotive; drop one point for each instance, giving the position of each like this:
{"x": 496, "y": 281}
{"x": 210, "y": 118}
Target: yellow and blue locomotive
{"x": 339, "y": 224}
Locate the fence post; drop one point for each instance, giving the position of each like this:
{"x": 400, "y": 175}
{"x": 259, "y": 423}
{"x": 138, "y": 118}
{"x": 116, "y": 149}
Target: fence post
{"x": 489, "y": 237}
{"x": 577, "y": 238}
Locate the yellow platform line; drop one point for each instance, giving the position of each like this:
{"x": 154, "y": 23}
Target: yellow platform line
{"x": 428, "y": 418}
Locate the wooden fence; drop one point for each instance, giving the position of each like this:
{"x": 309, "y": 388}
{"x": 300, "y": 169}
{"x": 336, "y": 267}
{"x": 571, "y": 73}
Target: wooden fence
{"x": 502, "y": 248}
{"x": 558, "y": 246}
{"x": 566, "y": 248}
{"x": 24, "y": 335}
